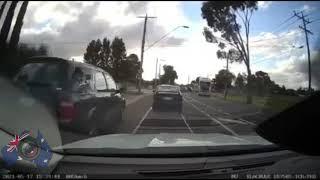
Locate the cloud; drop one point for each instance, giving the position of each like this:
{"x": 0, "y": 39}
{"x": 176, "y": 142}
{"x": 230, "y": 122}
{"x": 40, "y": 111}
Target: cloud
{"x": 264, "y": 4}
{"x": 307, "y": 8}
{"x": 67, "y": 27}
{"x": 278, "y": 54}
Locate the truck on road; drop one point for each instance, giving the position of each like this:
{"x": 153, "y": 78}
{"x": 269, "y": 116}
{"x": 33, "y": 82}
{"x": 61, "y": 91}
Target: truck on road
{"x": 204, "y": 86}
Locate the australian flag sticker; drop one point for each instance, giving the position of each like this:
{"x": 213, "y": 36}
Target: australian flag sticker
{"x": 26, "y": 147}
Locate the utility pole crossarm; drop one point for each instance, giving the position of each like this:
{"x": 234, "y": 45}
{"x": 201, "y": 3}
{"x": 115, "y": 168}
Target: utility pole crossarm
{"x": 145, "y": 17}
{"x": 308, "y": 31}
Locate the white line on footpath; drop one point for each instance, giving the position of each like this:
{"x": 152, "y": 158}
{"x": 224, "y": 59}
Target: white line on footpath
{"x": 144, "y": 117}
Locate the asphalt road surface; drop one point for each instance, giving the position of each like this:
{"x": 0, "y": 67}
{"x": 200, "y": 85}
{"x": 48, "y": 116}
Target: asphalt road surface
{"x": 199, "y": 115}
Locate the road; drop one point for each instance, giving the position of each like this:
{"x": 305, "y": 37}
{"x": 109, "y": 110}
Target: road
{"x": 199, "y": 115}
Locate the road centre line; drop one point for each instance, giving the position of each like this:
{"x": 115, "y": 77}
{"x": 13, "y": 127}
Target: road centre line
{"x": 212, "y": 118}
{"x": 184, "y": 119}
{"x": 144, "y": 117}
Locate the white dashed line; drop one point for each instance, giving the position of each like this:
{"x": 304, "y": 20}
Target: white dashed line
{"x": 184, "y": 119}
{"x": 213, "y": 119}
{"x": 144, "y": 117}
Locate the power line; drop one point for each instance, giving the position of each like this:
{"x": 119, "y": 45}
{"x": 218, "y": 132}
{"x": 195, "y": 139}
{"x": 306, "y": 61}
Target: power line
{"x": 268, "y": 58}
{"x": 283, "y": 23}
{"x": 276, "y": 37}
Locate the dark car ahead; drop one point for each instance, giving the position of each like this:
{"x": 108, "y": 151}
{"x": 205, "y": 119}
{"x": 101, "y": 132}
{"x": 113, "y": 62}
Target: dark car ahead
{"x": 167, "y": 97}
{"x": 83, "y": 97}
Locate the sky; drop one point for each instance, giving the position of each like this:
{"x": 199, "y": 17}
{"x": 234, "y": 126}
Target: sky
{"x": 67, "y": 28}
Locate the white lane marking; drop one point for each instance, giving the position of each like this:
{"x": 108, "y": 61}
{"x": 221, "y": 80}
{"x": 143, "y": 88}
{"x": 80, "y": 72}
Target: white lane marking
{"x": 213, "y": 119}
{"x": 145, "y": 115}
{"x": 225, "y": 113}
{"x": 254, "y": 124}
{"x": 233, "y": 121}
{"x": 207, "y": 106}
{"x": 250, "y": 114}
{"x": 184, "y": 119}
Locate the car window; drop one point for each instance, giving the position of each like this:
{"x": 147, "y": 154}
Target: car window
{"x": 168, "y": 88}
{"x": 44, "y": 73}
{"x": 82, "y": 80}
{"x": 100, "y": 81}
{"x": 110, "y": 82}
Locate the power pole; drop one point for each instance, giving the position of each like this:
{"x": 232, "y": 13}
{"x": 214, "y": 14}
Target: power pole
{"x": 155, "y": 77}
{"x": 159, "y": 71}
{"x": 306, "y": 31}
{"x": 142, "y": 48}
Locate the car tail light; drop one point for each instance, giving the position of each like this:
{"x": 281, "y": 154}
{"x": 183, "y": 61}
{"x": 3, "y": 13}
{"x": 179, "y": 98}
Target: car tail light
{"x": 66, "y": 111}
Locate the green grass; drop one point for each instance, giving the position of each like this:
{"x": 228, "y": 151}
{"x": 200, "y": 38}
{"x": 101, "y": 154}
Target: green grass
{"x": 274, "y": 102}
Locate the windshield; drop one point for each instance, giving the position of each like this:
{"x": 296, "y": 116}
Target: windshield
{"x": 168, "y": 88}
{"x": 237, "y": 63}
{"x": 205, "y": 85}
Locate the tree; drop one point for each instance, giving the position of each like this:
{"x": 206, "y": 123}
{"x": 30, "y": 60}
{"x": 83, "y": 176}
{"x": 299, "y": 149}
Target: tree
{"x": 169, "y": 75}
{"x": 15, "y": 36}
{"x": 222, "y": 16}
{"x": 222, "y": 78}
{"x": 240, "y": 81}
{"x": 112, "y": 57}
{"x": 7, "y": 25}
{"x": 14, "y": 61}
{"x": 262, "y": 83}
{"x": 2, "y": 8}
{"x": 92, "y": 55}
{"x": 130, "y": 68}
{"x": 105, "y": 55}
{"x": 118, "y": 55}
{"x": 231, "y": 56}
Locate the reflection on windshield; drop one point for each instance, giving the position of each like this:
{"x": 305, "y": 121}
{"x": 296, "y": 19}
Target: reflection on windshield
{"x": 96, "y": 69}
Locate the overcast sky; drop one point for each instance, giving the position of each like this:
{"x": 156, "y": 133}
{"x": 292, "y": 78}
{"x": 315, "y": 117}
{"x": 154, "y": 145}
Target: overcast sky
{"x": 67, "y": 27}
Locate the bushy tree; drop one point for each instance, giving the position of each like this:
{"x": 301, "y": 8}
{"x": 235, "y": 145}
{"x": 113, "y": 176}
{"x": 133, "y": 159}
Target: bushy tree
{"x": 169, "y": 75}
{"x": 222, "y": 17}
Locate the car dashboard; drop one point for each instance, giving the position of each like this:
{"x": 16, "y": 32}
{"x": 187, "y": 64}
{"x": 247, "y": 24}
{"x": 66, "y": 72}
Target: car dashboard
{"x": 235, "y": 166}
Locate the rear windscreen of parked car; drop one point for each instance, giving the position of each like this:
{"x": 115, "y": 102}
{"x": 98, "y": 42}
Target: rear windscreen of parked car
{"x": 53, "y": 73}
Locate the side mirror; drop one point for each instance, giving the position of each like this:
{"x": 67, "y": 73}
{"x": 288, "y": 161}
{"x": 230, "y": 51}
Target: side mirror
{"x": 153, "y": 90}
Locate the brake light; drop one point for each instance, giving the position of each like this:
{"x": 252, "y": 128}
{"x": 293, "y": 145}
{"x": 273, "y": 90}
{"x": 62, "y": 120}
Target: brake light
{"x": 66, "y": 111}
